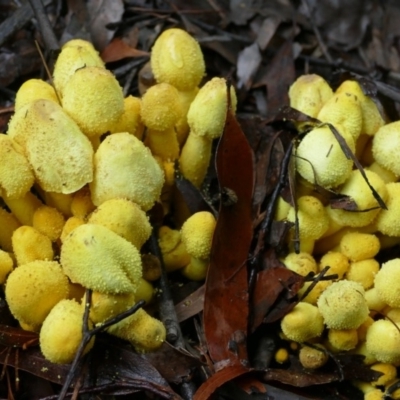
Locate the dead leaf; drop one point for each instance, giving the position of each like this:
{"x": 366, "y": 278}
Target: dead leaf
{"x": 226, "y": 284}
{"x": 103, "y": 12}
{"x": 248, "y": 62}
{"x": 191, "y": 305}
{"x": 118, "y": 50}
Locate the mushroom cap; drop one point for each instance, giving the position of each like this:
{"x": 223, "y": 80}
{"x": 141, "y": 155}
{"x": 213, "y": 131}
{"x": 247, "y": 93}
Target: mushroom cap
{"x": 124, "y": 167}
{"x": 343, "y": 339}
{"x": 387, "y": 221}
{"x": 105, "y": 305}
{"x": 383, "y": 341}
{"x": 313, "y": 220}
{"x": 6, "y": 265}
{"x": 321, "y": 160}
{"x": 343, "y": 109}
{"x": 176, "y": 58}
{"x": 384, "y": 147}
{"x": 61, "y": 332}
{"x": 125, "y": 218}
{"x": 313, "y": 358}
{"x": 356, "y": 188}
{"x": 74, "y": 55}
{"x": 207, "y": 112}
{"x": 337, "y": 262}
{"x": 48, "y": 221}
{"x": 197, "y": 234}
{"x": 387, "y": 282}
{"x": 359, "y": 246}
{"x": 174, "y": 253}
{"x": 161, "y": 107}
{"x": 81, "y": 204}
{"x": 389, "y": 373}
{"x": 8, "y": 224}
{"x": 303, "y": 323}
{"x": 34, "y": 89}
{"x": 30, "y": 245}
{"x": 16, "y": 176}
{"x": 33, "y": 289}
{"x": 309, "y": 93}
{"x": 101, "y": 260}
{"x": 363, "y": 271}
{"x": 371, "y": 117}
{"x": 94, "y": 100}
{"x": 145, "y": 332}
{"x": 58, "y": 152}
{"x": 130, "y": 120}
{"x": 343, "y": 305}
{"x": 302, "y": 263}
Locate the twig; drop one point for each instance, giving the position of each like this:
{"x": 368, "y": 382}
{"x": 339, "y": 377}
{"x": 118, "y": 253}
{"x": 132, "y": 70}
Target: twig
{"x": 87, "y": 335}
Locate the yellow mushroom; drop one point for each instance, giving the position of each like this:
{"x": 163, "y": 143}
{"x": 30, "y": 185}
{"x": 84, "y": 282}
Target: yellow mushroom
{"x": 342, "y": 339}
{"x": 389, "y": 373}
{"x": 75, "y": 55}
{"x": 197, "y": 234}
{"x": 125, "y": 168}
{"x": 303, "y": 323}
{"x": 359, "y": 246}
{"x": 24, "y": 207}
{"x": 143, "y": 331}
{"x": 6, "y": 265}
{"x": 302, "y": 263}
{"x": 337, "y": 262}
{"x": 125, "y": 218}
{"x": 343, "y": 305}
{"x": 313, "y": 357}
{"x": 58, "y": 152}
{"x": 161, "y": 110}
{"x": 386, "y": 282}
{"x": 33, "y": 289}
{"x": 81, "y": 203}
{"x": 48, "y": 221}
{"x": 16, "y": 176}
{"x": 30, "y": 245}
{"x": 206, "y": 119}
{"x": 70, "y": 224}
{"x": 34, "y": 89}
{"x": 363, "y": 271}
{"x": 8, "y": 225}
{"x": 309, "y": 93}
{"x": 176, "y": 58}
{"x": 320, "y": 158}
{"x": 101, "y": 260}
{"x": 387, "y": 221}
{"x": 61, "y": 332}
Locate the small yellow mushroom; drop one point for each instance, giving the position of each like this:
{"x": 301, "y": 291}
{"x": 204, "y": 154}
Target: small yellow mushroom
{"x": 8, "y": 225}
{"x": 161, "y": 110}
{"x": 33, "y": 289}
{"x": 48, "y": 221}
{"x": 101, "y": 260}
{"x": 386, "y": 282}
{"x": 81, "y": 204}
{"x": 70, "y": 224}
{"x": 16, "y": 176}
{"x": 24, "y": 207}
{"x": 125, "y": 218}
{"x": 61, "y": 332}
{"x": 125, "y": 168}
{"x": 303, "y": 323}
{"x": 176, "y": 58}
{"x": 337, "y": 262}
{"x": 389, "y": 373}
{"x": 343, "y": 339}
{"x": 94, "y": 100}
{"x": 343, "y": 305}
{"x": 30, "y": 245}
{"x": 34, "y": 89}
{"x": 197, "y": 234}
{"x": 302, "y": 263}
{"x": 145, "y": 332}
{"x": 313, "y": 358}
{"x": 363, "y": 271}
{"x": 206, "y": 119}
{"x": 387, "y": 221}
{"x": 281, "y": 355}
{"x": 359, "y": 246}
{"x": 6, "y": 265}
{"x": 309, "y": 93}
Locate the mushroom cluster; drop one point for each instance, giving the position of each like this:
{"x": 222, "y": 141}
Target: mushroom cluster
{"x": 81, "y": 168}
{"x": 358, "y": 310}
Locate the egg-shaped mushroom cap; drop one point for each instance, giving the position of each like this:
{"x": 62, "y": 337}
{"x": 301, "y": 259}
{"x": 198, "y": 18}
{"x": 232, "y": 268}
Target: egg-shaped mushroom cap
{"x": 60, "y": 155}
{"x": 387, "y": 282}
{"x": 34, "y": 89}
{"x": 309, "y": 93}
{"x": 357, "y": 188}
{"x": 383, "y": 341}
{"x": 207, "y": 112}
{"x": 387, "y": 221}
{"x": 343, "y": 305}
{"x": 125, "y": 168}
{"x": 197, "y": 234}
{"x": 16, "y": 175}
{"x": 321, "y": 160}
{"x": 61, "y": 332}
{"x": 176, "y": 58}
{"x": 384, "y": 146}
{"x": 303, "y": 323}
{"x": 74, "y": 56}
{"x": 101, "y": 260}
{"x": 125, "y": 218}
{"x": 94, "y": 100}
{"x": 33, "y": 289}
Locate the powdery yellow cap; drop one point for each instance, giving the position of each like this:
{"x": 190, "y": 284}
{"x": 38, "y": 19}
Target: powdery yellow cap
{"x": 34, "y": 89}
